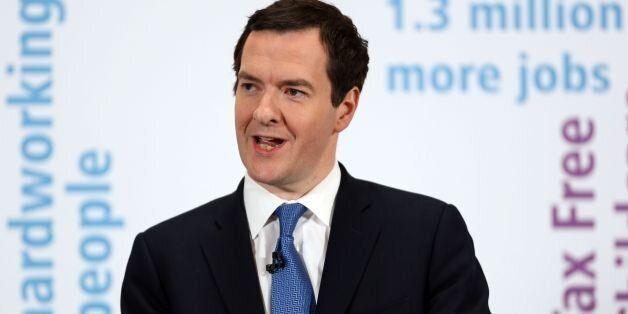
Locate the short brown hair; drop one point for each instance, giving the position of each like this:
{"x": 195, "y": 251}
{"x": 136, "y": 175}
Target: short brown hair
{"x": 346, "y": 49}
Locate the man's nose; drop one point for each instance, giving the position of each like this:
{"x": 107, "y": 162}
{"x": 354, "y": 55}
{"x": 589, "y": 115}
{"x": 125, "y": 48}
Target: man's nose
{"x": 267, "y": 111}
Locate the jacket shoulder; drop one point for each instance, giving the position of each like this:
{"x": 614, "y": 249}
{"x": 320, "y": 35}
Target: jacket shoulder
{"x": 188, "y": 225}
{"x": 404, "y": 202}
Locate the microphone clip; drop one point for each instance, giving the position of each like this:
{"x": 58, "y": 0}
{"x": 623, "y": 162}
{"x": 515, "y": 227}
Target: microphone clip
{"x": 277, "y": 264}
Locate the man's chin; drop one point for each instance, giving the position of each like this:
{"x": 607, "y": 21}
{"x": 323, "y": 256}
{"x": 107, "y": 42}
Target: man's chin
{"x": 265, "y": 175}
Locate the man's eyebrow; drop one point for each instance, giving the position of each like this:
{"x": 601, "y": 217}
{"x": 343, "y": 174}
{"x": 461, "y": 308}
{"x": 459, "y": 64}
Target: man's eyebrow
{"x": 297, "y": 82}
{"x": 242, "y": 75}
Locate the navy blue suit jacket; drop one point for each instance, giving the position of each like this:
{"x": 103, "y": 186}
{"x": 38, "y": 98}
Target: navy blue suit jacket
{"x": 389, "y": 251}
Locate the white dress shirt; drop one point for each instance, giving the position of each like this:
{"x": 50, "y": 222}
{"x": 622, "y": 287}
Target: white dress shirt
{"x": 310, "y": 234}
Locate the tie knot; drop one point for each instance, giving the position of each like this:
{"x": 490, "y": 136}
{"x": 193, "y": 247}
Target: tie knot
{"x": 288, "y": 215}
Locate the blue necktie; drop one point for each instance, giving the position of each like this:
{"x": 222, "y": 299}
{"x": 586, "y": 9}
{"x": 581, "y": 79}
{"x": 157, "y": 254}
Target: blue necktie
{"x": 292, "y": 291}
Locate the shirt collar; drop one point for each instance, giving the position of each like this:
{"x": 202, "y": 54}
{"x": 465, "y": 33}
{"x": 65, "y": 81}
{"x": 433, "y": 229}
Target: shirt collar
{"x": 260, "y": 204}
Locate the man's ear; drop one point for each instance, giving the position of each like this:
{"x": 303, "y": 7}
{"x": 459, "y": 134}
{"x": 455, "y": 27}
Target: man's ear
{"x": 346, "y": 109}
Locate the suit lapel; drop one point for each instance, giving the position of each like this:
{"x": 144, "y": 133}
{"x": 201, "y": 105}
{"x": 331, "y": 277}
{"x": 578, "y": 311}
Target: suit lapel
{"x": 355, "y": 229}
{"x": 229, "y": 253}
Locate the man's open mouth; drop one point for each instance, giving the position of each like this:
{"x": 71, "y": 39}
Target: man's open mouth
{"x": 268, "y": 143}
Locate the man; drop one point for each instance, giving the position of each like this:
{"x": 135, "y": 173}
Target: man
{"x": 300, "y": 235}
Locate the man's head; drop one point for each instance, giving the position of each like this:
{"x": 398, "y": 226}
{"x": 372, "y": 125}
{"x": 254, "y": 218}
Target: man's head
{"x": 289, "y": 109}
{"x": 347, "y": 65}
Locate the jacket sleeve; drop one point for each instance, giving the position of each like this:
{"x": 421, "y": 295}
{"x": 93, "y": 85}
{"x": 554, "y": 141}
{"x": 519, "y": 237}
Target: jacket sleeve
{"x": 456, "y": 283}
{"x": 142, "y": 291}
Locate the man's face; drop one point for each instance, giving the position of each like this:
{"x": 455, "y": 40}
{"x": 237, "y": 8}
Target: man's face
{"x": 286, "y": 126}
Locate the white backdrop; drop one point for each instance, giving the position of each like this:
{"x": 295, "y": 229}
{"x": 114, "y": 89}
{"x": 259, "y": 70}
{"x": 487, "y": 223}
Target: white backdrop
{"x": 138, "y": 94}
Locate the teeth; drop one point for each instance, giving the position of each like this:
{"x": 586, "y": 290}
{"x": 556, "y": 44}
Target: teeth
{"x": 267, "y": 143}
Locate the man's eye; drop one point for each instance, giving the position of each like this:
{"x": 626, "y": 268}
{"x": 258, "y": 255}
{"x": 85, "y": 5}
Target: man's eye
{"x": 248, "y": 87}
{"x": 294, "y": 92}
